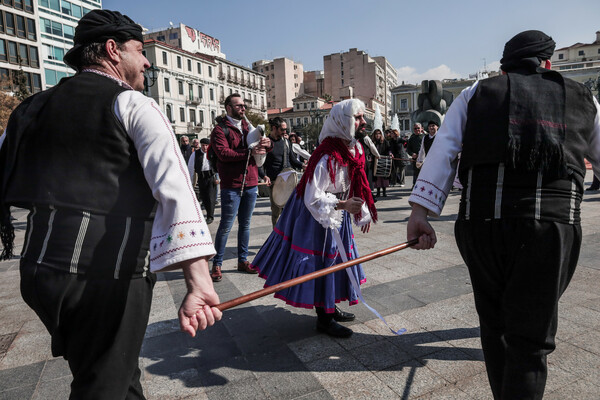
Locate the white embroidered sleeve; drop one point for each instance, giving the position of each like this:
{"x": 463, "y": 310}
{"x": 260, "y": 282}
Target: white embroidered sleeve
{"x": 320, "y": 203}
{"x": 179, "y": 231}
{"x": 437, "y": 174}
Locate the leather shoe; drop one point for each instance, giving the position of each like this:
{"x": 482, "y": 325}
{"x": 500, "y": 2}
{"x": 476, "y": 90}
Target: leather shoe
{"x": 216, "y": 274}
{"x": 342, "y": 316}
{"x": 209, "y": 220}
{"x": 333, "y": 329}
{"x": 244, "y": 266}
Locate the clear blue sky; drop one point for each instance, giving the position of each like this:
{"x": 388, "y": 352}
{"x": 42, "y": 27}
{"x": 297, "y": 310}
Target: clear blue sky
{"x": 422, "y": 39}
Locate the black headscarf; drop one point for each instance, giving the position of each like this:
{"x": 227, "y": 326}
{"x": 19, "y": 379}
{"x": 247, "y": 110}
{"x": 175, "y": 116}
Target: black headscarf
{"x": 98, "y": 26}
{"x": 527, "y": 48}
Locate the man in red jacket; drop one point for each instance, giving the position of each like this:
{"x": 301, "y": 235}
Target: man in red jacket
{"x": 239, "y": 178}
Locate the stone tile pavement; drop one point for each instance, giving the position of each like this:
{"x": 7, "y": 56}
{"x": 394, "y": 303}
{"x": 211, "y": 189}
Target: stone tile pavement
{"x": 267, "y": 350}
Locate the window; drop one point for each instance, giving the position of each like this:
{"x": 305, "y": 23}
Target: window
{"x": 209, "y": 71}
{"x": 18, "y": 4}
{"x": 212, "y": 93}
{"x": 169, "y": 111}
{"x": 29, "y": 8}
{"x": 31, "y": 33}
{"x": 20, "y": 26}
{"x": 180, "y": 86}
{"x": 189, "y": 64}
{"x": 69, "y": 32}
{"x": 305, "y": 120}
{"x": 23, "y": 54}
{"x": 201, "y": 117}
{"x": 297, "y": 121}
{"x": 2, "y": 27}
{"x": 212, "y": 116}
{"x": 305, "y": 106}
{"x": 160, "y": 38}
{"x": 3, "y": 56}
{"x": 54, "y": 4}
{"x": 230, "y": 91}
{"x": 199, "y": 67}
{"x": 200, "y": 91}
{"x": 173, "y": 36}
{"x": 191, "y": 91}
{"x": 10, "y": 23}
{"x": 182, "y": 114}
{"x": 581, "y": 53}
{"x": 178, "y": 62}
{"x": 297, "y": 106}
{"x": 167, "y": 85}
{"x": 312, "y": 104}
{"x": 193, "y": 116}
{"x": 37, "y": 83}
{"x": 13, "y": 56}
{"x": 164, "y": 57}
{"x": 403, "y": 104}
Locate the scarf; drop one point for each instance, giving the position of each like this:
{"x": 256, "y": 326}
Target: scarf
{"x": 339, "y": 155}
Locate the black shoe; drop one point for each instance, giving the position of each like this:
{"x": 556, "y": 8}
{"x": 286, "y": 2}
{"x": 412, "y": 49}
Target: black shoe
{"x": 334, "y": 329}
{"x": 342, "y": 316}
{"x": 209, "y": 220}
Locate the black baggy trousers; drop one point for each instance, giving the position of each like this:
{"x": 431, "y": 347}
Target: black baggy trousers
{"x": 519, "y": 268}
{"x": 97, "y": 325}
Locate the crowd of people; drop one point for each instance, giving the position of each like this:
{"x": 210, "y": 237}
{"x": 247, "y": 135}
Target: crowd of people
{"x": 105, "y": 215}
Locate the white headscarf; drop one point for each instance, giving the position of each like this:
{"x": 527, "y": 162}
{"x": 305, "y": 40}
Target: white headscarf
{"x": 340, "y": 123}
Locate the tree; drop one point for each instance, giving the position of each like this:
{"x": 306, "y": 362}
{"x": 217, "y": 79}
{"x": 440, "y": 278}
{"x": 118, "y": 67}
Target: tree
{"x": 20, "y": 81}
{"x": 257, "y": 119}
{"x": 8, "y": 102}
{"x": 327, "y": 97}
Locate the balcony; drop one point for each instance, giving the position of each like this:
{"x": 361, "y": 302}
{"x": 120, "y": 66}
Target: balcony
{"x": 193, "y": 127}
{"x": 221, "y": 76}
{"x": 193, "y": 101}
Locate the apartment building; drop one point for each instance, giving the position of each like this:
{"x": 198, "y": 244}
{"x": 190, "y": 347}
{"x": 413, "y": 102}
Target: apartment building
{"x": 314, "y": 83}
{"x": 20, "y": 43}
{"x": 221, "y": 77}
{"x": 580, "y": 62}
{"x": 57, "y": 21}
{"x": 356, "y": 74}
{"x": 283, "y": 78}
{"x": 186, "y": 88}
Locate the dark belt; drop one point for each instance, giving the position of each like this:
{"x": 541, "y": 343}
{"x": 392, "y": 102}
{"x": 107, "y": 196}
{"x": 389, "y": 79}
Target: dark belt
{"x": 205, "y": 174}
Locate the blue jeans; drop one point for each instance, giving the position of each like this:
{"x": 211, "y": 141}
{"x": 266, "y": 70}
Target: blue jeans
{"x": 232, "y": 204}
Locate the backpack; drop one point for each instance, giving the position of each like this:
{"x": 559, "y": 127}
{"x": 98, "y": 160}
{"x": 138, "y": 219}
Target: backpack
{"x": 210, "y": 154}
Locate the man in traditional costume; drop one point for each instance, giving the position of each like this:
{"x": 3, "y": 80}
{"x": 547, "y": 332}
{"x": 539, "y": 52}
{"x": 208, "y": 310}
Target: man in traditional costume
{"x": 207, "y": 178}
{"x": 427, "y": 142}
{"x": 413, "y": 146}
{"x": 105, "y": 212}
{"x": 315, "y": 225}
{"x": 523, "y": 136}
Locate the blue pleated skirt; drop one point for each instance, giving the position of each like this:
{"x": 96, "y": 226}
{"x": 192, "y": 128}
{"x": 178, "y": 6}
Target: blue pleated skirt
{"x": 298, "y": 246}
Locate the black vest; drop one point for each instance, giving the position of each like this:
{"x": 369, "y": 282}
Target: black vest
{"x": 493, "y": 191}
{"x": 427, "y": 143}
{"x": 74, "y": 152}
{"x": 486, "y": 131}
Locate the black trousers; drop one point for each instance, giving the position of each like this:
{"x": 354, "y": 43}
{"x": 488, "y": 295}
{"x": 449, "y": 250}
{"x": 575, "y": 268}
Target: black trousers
{"x": 519, "y": 268}
{"x": 207, "y": 193}
{"x": 97, "y": 325}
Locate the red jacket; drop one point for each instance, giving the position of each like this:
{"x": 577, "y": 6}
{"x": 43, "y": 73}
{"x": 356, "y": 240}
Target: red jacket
{"x": 232, "y": 153}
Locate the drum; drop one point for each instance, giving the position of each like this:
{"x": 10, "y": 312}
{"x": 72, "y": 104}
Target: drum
{"x": 284, "y": 186}
{"x": 383, "y": 167}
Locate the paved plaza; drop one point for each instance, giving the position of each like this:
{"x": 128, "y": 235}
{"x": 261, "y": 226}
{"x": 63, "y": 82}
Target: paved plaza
{"x": 267, "y": 350}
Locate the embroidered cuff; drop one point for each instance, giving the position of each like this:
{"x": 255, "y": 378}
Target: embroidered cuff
{"x": 183, "y": 241}
{"x": 329, "y": 217}
{"x": 429, "y": 196}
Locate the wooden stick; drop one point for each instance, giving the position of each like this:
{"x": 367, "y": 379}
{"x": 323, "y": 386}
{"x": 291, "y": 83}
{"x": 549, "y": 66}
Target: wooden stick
{"x": 313, "y": 275}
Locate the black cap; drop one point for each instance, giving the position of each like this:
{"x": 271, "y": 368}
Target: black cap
{"x": 204, "y": 141}
{"x": 98, "y": 26}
